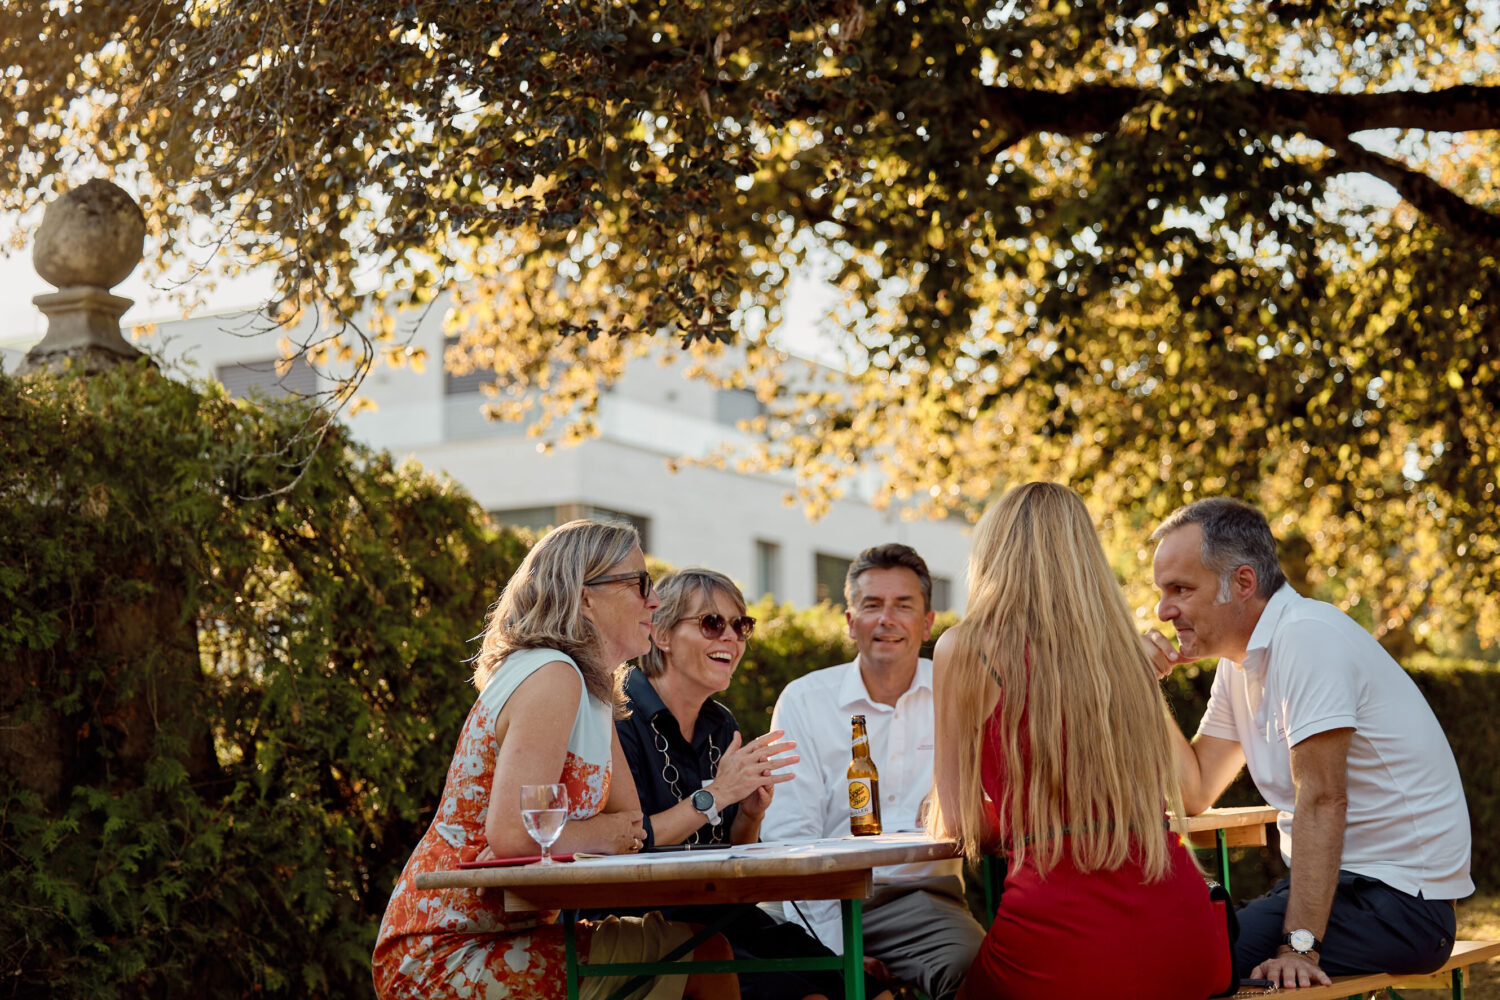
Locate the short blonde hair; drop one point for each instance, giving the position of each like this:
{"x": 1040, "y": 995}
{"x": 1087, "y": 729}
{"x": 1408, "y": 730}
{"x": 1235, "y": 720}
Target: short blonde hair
{"x": 542, "y": 603}
{"x": 1047, "y": 621}
{"x": 677, "y": 592}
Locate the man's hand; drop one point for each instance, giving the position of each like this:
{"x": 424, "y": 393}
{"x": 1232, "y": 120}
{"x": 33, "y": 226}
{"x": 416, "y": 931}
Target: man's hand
{"x": 1163, "y": 655}
{"x": 1291, "y": 969}
{"x": 875, "y": 968}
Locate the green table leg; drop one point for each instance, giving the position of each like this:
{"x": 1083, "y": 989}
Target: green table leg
{"x": 992, "y": 871}
{"x": 854, "y": 949}
{"x": 570, "y": 947}
{"x": 1221, "y": 838}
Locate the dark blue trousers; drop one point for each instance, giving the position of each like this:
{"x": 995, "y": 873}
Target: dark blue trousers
{"x": 1371, "y": 928}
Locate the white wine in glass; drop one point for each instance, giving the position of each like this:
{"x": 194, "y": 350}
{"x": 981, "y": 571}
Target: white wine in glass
{"x": 544, "y": 810}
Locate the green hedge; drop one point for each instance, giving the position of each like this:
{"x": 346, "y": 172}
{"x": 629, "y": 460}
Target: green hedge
{"x": 1466, "y": 700}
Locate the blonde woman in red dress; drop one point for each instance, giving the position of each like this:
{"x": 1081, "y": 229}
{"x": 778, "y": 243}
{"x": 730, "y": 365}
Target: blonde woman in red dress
{"x": 1053, "y": 746}
{"x": 579, "y": 605}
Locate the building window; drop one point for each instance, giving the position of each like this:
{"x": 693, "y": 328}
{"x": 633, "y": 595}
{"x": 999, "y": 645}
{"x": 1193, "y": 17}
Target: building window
{"x": 767, "y": 568}
{"x": 573, "y": 511}
{"x": 733, "y": 405}
{"x": 536, "y": 519}
{"x": 828, "y": 575}
{"x": 458, "y": 385}
{"x": 942, "y": 593}
{"x": 541, "y": 518}
{"x": 260, "y": 378}
{"x": 642, "y": 524}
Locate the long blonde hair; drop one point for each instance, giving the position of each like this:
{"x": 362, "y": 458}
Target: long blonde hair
{"x": 542, "y": 604}
{"x": 1047, "y": 621}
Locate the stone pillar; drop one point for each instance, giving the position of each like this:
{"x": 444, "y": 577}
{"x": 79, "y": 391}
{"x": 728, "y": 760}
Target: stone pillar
{"x": 89, "y": 241}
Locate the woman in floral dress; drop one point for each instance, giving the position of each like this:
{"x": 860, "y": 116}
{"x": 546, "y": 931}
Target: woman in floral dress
{"x": 579, "y": 605}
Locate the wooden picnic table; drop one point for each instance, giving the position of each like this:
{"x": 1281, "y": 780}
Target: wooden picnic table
{"x": 838, "y": 868}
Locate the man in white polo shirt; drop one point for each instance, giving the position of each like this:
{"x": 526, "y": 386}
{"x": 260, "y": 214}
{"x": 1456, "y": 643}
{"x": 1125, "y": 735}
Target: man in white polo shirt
{"x": 1373, "y": 822}
{"x": 917, "y": 924}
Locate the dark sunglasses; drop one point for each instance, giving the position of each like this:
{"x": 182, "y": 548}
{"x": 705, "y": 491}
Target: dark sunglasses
{"x": 641, "y": 577}
{"x": 712, "y": 625}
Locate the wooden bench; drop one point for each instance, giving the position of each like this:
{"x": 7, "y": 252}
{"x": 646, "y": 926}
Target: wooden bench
{"x": 1450, "y": 976}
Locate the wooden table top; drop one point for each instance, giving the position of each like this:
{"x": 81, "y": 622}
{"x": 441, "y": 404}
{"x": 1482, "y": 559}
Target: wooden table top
{"x": 740, "y": 861}
{"x": 1232, "y": 818}
{"x": 838, "y": 868}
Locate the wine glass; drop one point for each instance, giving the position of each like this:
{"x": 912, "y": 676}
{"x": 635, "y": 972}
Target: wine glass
{"x": 544, "y": 810}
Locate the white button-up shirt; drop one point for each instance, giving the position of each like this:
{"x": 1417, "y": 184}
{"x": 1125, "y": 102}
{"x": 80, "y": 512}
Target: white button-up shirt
{"x": 814, "y": 710}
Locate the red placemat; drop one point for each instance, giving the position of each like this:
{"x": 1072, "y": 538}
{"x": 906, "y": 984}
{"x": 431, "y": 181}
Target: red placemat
{"x": 529, "y": 859}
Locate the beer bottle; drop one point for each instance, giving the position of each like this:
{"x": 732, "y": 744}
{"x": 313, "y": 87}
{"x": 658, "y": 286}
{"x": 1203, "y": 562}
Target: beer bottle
{"x": 864, "y": 785}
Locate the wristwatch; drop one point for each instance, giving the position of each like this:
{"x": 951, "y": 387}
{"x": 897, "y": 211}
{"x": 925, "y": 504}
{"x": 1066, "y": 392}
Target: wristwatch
{"x": 703, "y": 801}
{"x": 1301, "y": 941}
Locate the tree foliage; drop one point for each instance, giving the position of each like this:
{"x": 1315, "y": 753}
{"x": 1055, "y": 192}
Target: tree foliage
{"x": 223, "y": 722}
{"x": 1147, "y": 248}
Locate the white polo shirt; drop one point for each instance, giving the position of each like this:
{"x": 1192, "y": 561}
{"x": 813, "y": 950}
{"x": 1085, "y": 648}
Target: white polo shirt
{"x": 1309, "y": 669}
{"x": 814, "y": 710}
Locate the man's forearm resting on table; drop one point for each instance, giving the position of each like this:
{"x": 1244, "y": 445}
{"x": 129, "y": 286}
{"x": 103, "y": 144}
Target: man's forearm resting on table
{"x": 1205, "y": 767}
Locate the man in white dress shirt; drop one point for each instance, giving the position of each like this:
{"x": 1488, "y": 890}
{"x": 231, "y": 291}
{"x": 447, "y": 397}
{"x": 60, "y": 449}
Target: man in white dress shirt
{"x": 917, "y": 924}
{"x": 1336, "y": 736}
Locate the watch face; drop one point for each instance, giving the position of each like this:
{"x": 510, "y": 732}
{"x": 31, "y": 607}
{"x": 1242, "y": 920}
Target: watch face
{"x": 703, "y": 800}
{"x": 1301, "y": 940}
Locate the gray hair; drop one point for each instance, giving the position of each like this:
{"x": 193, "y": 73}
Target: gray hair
{"x": 678, "y": 592}
{"x": 891, "y": 556}
{"x": 1235, "y": 534}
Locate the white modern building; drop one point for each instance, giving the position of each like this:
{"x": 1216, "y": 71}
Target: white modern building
{"x": 738, "y": 524}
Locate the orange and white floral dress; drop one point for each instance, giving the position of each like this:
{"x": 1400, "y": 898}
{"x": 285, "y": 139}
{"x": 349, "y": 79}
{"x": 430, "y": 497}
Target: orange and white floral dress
{"x": 461, "y": 942}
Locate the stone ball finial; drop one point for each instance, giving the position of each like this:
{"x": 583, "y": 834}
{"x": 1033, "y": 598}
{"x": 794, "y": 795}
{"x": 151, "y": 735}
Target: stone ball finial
{"x": 93, "y": 235}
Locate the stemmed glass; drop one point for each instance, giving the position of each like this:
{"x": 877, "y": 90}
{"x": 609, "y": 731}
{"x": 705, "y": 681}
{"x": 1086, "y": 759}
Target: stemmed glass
{"x": 544, "y": 810}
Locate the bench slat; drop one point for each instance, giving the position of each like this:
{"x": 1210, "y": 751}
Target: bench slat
{"x": 1469, "y": 952}
{"x": 1465, "y": 953}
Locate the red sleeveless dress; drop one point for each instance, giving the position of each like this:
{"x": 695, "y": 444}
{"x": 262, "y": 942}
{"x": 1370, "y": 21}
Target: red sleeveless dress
{"x": 1102, "y": 933}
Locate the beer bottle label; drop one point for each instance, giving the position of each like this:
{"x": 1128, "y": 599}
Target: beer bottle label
{"x": 860, "y": 798}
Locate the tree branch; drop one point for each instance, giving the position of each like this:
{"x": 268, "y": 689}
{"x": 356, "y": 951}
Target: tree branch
{"x": 1426, "y": 195}
{"x": 1019, "y": 112}
{"x": 1454, "y": 109}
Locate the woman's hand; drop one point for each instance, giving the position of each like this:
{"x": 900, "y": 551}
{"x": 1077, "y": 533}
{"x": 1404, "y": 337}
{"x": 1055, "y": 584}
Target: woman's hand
{"x": 757, "y": 802}
{"x": 750, "y": 771}
{"x": 618, "y": 832}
